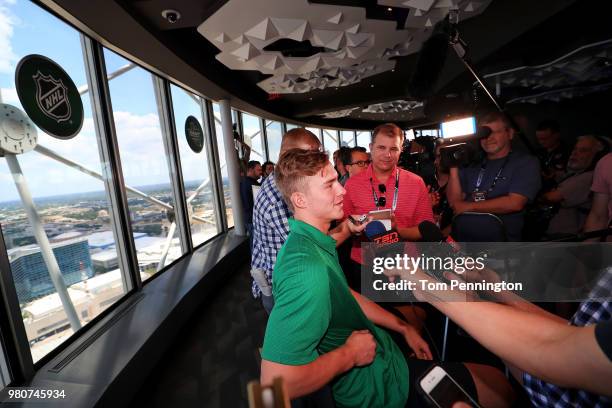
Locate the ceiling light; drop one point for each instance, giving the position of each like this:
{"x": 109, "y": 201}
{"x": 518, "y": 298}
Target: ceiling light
{"x": 372, "y": 86}
{"x": 389, "y": 9}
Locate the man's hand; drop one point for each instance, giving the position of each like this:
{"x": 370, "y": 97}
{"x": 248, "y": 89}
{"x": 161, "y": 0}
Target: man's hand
{"x": 362, "y": 347}
{"x": 356, "y": 229}
{"x": 434, "y": 196}
{"x": 416, "y": 343}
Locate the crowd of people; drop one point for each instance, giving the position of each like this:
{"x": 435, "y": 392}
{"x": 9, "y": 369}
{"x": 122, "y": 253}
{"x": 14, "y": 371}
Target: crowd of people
{"x": 325, "y": 338}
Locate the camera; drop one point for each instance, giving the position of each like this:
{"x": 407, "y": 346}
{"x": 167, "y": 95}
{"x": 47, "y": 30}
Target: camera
{"x": 466, "y": 151}
{"x": 172, "y": 16}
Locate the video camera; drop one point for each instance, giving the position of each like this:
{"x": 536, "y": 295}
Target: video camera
{"x": 463, "y": 150}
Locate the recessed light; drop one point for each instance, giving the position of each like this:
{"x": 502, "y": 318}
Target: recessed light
{"x": 389, "y": 9}
{"x": 372, "y": 86}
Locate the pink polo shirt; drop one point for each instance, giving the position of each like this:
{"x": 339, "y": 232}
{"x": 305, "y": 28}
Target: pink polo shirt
{"x": 413, "y": 202}
{"x": 602, "y": 180}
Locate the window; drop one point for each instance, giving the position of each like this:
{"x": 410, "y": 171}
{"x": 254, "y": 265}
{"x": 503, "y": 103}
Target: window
{"x": 194, "y": 167}
{"x": 330, "y": 142}
{"x": 348, "y": 138}
{"x": 145, "y": 167}
{"x": 223, "y": 163}
{"x": 274, "y": 136}
{"x": 73, "y": 207}
{"x": 253, "y": 136}
{"x": 364, "y": 137}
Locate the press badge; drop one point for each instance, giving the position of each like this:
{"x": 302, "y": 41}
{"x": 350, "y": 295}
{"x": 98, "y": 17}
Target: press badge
{"x": 479, "y": 196}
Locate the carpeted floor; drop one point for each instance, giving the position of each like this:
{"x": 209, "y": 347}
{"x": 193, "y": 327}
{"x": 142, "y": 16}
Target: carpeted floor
{"x": 215, "y": 356}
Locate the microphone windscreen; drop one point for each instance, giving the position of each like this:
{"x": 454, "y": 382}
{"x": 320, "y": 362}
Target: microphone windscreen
{"x": 374, "y": 228}
{"x": 430, "y": 232}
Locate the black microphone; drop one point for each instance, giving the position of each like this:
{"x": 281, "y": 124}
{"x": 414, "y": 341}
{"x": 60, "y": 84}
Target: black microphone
{"x": 447, "y": 247}
{"x": 483, "y": 132}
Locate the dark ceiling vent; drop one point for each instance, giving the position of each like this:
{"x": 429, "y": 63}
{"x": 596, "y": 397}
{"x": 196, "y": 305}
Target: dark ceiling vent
{"x": 292, "y": 48}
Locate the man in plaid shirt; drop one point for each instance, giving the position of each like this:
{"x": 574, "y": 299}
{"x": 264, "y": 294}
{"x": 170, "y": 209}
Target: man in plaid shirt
{"x": 270, "y": 225}
{"x": 595, "y": 310}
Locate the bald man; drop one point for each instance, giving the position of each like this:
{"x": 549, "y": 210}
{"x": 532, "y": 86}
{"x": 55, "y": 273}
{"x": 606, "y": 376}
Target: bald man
{"x": 270, "y": 221}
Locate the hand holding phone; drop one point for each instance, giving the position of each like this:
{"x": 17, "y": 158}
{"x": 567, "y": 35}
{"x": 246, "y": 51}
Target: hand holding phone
{"x": 442, "y": 390}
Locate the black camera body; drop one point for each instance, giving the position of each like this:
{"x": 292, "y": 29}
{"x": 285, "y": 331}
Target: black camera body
{"x": 460, "y": 154}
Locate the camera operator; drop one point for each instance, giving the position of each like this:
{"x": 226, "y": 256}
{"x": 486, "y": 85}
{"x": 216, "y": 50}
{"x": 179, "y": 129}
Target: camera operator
{"x": 501, "y": 184}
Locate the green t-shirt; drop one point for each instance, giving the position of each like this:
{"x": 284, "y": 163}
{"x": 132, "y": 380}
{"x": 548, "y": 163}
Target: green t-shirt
{"x": 314, "y": 313}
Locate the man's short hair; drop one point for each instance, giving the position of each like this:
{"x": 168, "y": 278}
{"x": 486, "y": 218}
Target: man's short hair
{"x": 292, "y": 169}
{"x": 292, "y": 138}
{"x": 266, "y": 163}
{"x": 344, "y": 154}
{"x": 549, "y": 124}
{"x": 388, "y": 129}
{"x": 495, "y": 116}
{"x": 252, "y": 164}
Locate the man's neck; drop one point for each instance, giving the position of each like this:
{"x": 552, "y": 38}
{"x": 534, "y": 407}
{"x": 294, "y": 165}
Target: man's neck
{"x": 320, "y": 224}
{"x": 499, "y": 155}
{"x": 381, "y": 175}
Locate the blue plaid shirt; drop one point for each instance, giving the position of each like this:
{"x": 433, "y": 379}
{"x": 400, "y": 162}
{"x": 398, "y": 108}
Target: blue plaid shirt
{"x": 597, "y": 309}
{"x": 270, "y": 228}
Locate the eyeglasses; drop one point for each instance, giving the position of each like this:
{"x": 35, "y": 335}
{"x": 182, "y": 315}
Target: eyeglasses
{"x": 382, "y": 201}
{"x": 361, "y": 163}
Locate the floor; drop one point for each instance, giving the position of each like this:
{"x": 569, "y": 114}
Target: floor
{"x": 213, "y": 358}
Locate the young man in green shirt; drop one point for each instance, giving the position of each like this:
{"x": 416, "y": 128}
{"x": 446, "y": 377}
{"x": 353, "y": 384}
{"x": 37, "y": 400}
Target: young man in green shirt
{"x": 322, "y": 332}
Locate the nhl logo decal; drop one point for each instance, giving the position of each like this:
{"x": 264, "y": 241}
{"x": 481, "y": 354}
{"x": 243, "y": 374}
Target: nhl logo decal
{"x": 51, "y": 96}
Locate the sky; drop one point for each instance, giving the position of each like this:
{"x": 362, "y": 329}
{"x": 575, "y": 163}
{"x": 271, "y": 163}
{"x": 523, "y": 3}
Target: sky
{"x": 27, "y": 29}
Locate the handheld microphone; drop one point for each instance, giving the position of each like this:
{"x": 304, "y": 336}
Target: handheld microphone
{"x": 431, "y": 233}
{"x": 377, "y": 233}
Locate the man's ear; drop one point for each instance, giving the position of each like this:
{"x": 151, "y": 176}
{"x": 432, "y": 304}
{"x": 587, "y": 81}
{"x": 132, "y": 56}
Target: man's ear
{"x": 299, "y": 200}
{"x": 512, "y": 131}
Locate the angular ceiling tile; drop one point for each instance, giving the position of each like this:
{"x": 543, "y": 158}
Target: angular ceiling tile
{"x": 222, "y": 38}
{"x": 263, "y": 31}
{"x": 246, "y": 51}
{"x": 424, "y": 5}
{"x": 335, "y": 19}
{"x": 353, "y": 30}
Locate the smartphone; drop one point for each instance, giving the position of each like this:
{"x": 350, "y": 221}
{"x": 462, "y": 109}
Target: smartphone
{"x": 380, "y": 214}
{"x": 442, "y": 390}
{"x": 358, "y": 219}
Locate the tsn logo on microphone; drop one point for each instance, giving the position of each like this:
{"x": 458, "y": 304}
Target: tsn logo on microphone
{"x": 386, "y": 239}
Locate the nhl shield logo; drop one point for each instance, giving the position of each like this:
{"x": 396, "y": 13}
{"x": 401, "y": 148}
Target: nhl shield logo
{"x": 52, "y": 97}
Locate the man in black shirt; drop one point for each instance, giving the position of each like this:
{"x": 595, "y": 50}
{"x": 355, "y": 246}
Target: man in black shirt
{"x": 246, "y": 194}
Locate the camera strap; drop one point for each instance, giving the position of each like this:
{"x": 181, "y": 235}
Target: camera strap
{"x": 395, "y": 193}
{"x": 483, "y": 169}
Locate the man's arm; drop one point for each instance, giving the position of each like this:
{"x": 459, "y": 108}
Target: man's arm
{"x": 507, "y": 204}
{"x": 359, "y": 350}
{"x": 454, "y": 192}
{"x": 540, "y": 346}
{"x": 383, "y": 318}
{"x": 598, "y": 216}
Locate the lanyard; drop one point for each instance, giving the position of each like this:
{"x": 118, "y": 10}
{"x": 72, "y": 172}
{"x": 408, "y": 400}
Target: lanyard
{"x": 497, "y": 176}
{"x": 395, "y": 193}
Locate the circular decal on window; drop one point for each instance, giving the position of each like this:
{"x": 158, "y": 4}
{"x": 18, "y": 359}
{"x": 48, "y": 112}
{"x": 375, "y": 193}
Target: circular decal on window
{"x": 49, "y": 96}
{"x": 194, "y": 134}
